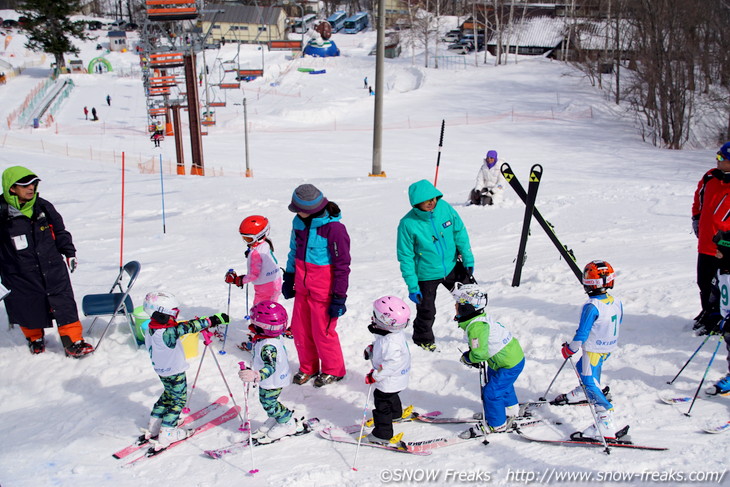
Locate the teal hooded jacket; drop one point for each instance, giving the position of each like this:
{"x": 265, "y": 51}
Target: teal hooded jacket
{"x": 430, "y": 241}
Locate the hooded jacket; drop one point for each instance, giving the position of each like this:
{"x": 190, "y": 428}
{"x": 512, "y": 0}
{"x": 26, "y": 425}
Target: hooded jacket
{"x": 430, "y": 241}
{"x": 491, "y": 342}
{"x": 33, "y": 243}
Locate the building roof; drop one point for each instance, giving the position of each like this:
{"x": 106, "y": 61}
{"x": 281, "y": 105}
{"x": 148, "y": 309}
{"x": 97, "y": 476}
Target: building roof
{"x": 601, "y": 34}
{"x": 116, "y": 33}
{"x": 533, "y": 32}
{"x": 240, "y": 14}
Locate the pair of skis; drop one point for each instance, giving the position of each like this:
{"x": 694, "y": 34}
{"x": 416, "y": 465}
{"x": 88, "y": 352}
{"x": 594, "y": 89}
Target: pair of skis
{"x": 217, "y": 453}
{"x": 528, "y": 197}
{"x": 142, "y": 443}
{"x": 712, "y": 426}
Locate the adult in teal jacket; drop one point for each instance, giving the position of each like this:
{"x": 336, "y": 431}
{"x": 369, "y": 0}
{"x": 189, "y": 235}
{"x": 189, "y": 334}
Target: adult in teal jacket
{"x": 433, "y": 249}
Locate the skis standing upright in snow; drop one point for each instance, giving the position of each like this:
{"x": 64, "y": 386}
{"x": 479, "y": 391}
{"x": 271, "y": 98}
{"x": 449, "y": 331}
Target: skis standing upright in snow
{"x": 567, "y": 253}
{"x": 532, "y": 187}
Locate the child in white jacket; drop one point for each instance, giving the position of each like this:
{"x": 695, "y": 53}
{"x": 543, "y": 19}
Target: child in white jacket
{"x": 489, "y": 183}
{"x": 391, "y": 362}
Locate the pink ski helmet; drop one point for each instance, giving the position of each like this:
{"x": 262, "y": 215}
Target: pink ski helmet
{"x": 391, "y": 313}
{"x": 270, "y": 317}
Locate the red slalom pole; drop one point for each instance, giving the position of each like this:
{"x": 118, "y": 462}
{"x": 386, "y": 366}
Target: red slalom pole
{"x": 438, "y": 159}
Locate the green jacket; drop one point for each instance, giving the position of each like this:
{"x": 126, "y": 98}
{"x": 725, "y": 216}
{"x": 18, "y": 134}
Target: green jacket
{"x": 491, "y": 342}
{"x": 429, "y": 242}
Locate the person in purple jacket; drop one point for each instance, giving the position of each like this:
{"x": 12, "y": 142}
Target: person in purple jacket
{"x": 317, "y": 271}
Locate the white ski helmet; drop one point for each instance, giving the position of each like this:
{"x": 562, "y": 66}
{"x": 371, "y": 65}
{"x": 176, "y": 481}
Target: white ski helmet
{"x": 469, "y": 298}
{"x": 161, "y": 302}
{"x": 391, "y": 313}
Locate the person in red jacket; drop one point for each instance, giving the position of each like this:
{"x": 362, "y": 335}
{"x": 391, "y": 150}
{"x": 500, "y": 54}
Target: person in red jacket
{"x": 711, "y": 206}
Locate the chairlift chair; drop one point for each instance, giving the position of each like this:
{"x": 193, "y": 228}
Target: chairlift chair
{"x": 116, "y": 302}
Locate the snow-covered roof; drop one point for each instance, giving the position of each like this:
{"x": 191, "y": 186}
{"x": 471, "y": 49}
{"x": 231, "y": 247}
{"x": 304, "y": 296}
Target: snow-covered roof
{"x": 534, "y": 32}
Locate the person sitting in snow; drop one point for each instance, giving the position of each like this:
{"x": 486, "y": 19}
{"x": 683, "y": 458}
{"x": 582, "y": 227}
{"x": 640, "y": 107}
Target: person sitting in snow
{"x": 391, "y": 362}
{"x": 162, "y": 339}
{"x": 597, "y": 335}
{"x": 491, "y": 343}
{"x": 271, "y": 371}
{"x": 489, "y": 184}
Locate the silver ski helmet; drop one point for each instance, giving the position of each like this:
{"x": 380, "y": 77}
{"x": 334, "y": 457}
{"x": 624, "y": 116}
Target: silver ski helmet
{"x": 470, "y": 298}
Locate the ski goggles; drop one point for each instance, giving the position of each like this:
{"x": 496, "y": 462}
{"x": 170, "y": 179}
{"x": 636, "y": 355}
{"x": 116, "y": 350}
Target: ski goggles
{"x": 720, "y": 157}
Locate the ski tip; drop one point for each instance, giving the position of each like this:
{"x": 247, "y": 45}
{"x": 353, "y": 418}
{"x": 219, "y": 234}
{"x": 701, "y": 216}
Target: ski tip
{"x": 221, "y": 352}
{"x": 253, "y": 471}
{"x": 186, "y": 410}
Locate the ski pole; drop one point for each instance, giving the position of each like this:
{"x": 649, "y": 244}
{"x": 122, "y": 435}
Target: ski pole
{"x": 362, "y": 426}
{"x": 186, "y": 409}
{"x": 222, "y": 351}
{"x": 544, "y": 396}
{"x": 207, "y": 338}
{"x": 702, "y": 381}
{"x": 253, "y": 470}
{"x": 591, "y": 405}
{"x": 438, "y": 158}
{"x": 690, "y": 358}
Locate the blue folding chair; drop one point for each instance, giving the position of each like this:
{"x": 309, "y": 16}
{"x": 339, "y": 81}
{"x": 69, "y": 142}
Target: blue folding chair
{"x": 116, "y": 302}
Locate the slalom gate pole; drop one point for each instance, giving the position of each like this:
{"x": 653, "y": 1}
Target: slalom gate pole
{"x": 222, "y": 351}
{"x": 702, "y": 381}
{"x": 186, "y": 409}
{"x": 544, "y": 396}
{"x": 362, "y": 426}
{"x": 247, "y": 425}
{"x": 162, "y": 192}
{"x": 690, "y": 358}
{"x": 438, "y": 158}
{"x": 207, "y": 336}
{"x": 121, "y": 231}
{"x": 591, "y": 406}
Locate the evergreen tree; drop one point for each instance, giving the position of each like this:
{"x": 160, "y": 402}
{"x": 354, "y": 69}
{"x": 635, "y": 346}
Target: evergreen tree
{"x": 49, "y": 28}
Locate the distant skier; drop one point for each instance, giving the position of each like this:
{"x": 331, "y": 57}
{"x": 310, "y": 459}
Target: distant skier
{"x": 365, "y": 82}
{"x": 86, "y": 113}
{"x": 597, "y": 335}
{"x": 94, "y": 118}
{"x": 493, "y": 346}
{"x": 162, "y": 339}
{"x": 391, "y": 362}
{"x": 370, "y": 90}
{"x": 489, "y": 184}
{"x": 156, "y": 138}
{"x": 271, "y": 371}
{"x": 108, "y": 100}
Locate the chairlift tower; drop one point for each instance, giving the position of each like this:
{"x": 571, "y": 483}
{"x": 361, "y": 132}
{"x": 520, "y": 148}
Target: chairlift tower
{"x": 167, "y": 48}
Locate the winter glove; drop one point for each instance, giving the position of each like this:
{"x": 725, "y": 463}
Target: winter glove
{"x": 218, "y": 319}
{"x": 337, "y": 306}
{"x": 287, "y": 287}
{"x": 696, "y": 226}
{"x": 248, "y": 375}
{"x": 415, "y": 297}
{"x": 470, "y": 270}
{"x": 72, "y": 263}
{"x": 233, "y": 278}
{"x": 567, "y": 351}
{"x": 465, "y": 360}
{"x": 368, "y": 352}
{"x": 369, "y": 379}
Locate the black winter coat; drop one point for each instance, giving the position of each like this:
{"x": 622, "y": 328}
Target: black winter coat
{"x": 32, "y": 266}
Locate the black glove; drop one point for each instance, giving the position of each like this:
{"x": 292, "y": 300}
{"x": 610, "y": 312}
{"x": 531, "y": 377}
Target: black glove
{"x": 696, "y": 226}
{"x": 287, "y": 287}
{"x": 465, "y": 360}
{"x": 218, "y": 319}
{"x": 337, "y": 306}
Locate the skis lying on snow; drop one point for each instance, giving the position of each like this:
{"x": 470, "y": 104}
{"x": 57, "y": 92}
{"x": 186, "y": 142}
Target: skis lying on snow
{"x": 560, "y": 401}
{"x": 150, "y": 453}
{"x": 579, "y": 440}
{"x": 715, "y": 427}
{"x": 141, "y": 442}
{"x": 532, "y": 187}
{"x": 669, "y": 397}
{"x": 242, "y": 445}
{"x": 342, "y": 436}
{"x": 567, "y": 253}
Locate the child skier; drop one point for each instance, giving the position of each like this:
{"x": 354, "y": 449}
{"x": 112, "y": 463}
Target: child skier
{"x": 271, "y": 371}
{"x": 391, "y": 362}
{"x": 162, "y": 340}
{"x": 719, "y": 325}
{"x": 263, "y": 268}
{"x": 597, "y": 335}
{"x": 490, "y": 342}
